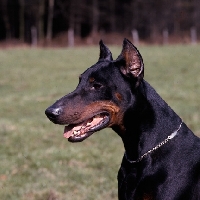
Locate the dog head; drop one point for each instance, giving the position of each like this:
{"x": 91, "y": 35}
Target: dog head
{"x": 105, "y": 92}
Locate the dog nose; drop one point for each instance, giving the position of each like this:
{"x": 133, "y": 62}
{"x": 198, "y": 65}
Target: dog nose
{"x": 52, "y": 113}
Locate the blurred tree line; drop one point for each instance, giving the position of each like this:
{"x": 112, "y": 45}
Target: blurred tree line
{"x": 41, "y": 20}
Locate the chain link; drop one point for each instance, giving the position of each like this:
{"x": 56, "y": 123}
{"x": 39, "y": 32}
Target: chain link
{"x": 156, "y": 147}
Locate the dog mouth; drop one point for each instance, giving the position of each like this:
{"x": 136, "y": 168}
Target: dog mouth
{"x": 81, "y": 131}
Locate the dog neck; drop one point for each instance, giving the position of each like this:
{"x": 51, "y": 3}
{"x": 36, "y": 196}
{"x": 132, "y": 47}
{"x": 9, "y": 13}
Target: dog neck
{"x": 170, "y": 137}
{"x": 148, "y": 123}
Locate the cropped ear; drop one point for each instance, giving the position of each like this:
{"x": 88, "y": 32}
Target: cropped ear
{"x": 130, "y": 62}
{"x": 105, "y": 53}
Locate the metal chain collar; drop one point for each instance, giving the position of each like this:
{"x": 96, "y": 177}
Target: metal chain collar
{"x": 156, "y": 147}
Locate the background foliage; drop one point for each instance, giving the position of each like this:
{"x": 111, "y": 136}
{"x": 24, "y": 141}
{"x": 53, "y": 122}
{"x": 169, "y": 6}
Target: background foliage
{"x": 89, "y": 18}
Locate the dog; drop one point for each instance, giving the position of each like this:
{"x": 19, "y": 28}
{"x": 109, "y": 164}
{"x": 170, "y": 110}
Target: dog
{"x": 162, "y": 155}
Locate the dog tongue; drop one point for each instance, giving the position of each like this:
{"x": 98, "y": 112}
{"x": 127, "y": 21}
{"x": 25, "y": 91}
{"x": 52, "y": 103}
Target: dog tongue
{"x": 68, "y": 131}
{"x": 83, "y": 127}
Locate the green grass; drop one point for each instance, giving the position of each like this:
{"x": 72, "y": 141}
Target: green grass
{"x": 36, "y": 162}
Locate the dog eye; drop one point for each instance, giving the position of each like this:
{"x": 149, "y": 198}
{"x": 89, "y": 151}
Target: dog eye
{"x": 96, "y": 86}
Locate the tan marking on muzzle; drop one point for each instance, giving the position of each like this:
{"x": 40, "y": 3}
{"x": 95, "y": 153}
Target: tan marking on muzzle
{"x": 107, "y": 106}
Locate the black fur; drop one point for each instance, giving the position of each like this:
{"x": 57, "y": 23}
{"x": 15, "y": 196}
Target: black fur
{"x": 132, "y": 108}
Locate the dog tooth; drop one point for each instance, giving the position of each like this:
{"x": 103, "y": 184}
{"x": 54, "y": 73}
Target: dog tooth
{"x": 76, "y": 132}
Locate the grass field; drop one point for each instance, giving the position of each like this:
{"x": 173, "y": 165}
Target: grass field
{"x": 36, "y": 162}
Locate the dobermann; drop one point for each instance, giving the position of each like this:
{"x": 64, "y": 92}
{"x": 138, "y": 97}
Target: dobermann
{"x": 162, "y": 155}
